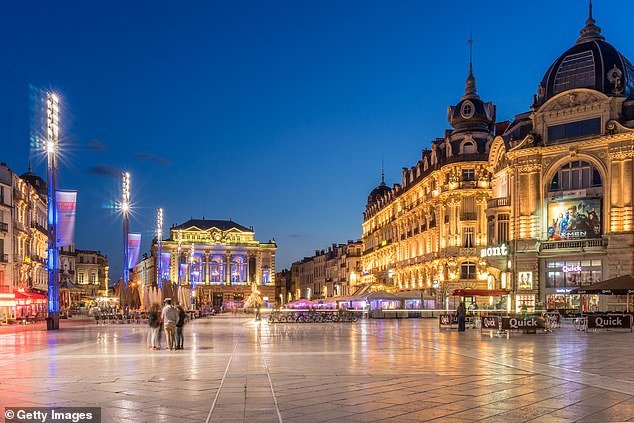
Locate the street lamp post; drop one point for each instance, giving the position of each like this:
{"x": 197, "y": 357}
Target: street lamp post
{"x": 125, "y": 210}
{"x": 191, "y": 276}
{"x": 52, "y": 138}
{"x": 159, "y": 247}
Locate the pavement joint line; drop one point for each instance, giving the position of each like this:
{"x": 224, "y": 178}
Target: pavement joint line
{"x": 268, "y": 375}
{"x": 222, "y": 381}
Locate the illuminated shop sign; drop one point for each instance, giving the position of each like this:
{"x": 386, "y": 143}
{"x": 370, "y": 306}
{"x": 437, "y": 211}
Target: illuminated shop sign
{"x": 498, "y": 251}
{"x": 563, "y": 290}
{"x": 574, "y": 219}
{"x": 571, "y": 269}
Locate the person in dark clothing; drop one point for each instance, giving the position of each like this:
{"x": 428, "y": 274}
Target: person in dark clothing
{"x": 179, "y": 328}
{"x": 461, "y": 312}
{"x": 154, "y": 331}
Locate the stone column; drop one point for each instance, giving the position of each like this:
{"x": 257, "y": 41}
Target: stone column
{"x": 228, "y": 269}
{"x": 246, "y": 266}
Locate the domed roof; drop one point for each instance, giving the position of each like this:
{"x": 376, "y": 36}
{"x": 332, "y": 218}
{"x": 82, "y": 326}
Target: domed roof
{"x": 35, "y": 181}
{"x": 378, "y": 192}
{"x": 590, "y": 63}
{"x": 471, "y": 113}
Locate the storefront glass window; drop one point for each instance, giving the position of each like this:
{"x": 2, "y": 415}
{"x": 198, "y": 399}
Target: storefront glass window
{"x": 573, "y": 273}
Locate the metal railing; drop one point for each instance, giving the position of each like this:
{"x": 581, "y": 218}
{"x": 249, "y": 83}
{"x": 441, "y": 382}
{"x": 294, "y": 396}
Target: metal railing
{"x": 499, "y": 202}
{"x": 576, "y": 244}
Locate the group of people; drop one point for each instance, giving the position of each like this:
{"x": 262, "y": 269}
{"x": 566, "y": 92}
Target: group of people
{"x": 172, "y": 320}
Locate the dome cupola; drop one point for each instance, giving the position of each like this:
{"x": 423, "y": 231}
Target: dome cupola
{"x": 591, "y": 63}
{"x": 471, "y": 114}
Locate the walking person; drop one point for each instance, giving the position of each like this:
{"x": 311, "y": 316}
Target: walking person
{"x": 461, "y": 312}
{"x": 179, "y": 327}
{"x": 170, "y": 317}
{"x": 154, "y": 330}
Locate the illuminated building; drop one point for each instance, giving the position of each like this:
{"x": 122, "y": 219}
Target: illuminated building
{"x": 563, "y": 177}
{"x": 537, "y": 206}
{"x": 23, "y": 244}
{"x": 226, "y": 260}
{"x": 329, "y": 273}
{"x": 426, "y": 232}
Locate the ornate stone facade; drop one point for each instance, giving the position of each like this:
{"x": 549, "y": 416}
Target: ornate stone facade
{"x": 219, "y": 258}
{"x": 545, "y": 208}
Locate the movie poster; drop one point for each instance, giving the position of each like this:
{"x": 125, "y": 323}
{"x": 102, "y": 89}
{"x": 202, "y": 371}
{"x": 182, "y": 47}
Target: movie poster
{"x": 525, "y": 280}
{"x": 574, "y": 219}
{"x": 165, "y": 266}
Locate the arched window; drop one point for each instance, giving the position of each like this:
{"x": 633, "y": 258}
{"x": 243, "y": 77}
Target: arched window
{"x": 467, "y": 270}
{"x": 575, "y": 175}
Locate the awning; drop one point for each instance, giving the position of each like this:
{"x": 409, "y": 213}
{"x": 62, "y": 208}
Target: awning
{"x": 382, "y": 295}
{"x": 480, "y": 292}
{"x": 621, "y": 285}
{"x": 27, "y": 298}
{"x": 413, "y": 295}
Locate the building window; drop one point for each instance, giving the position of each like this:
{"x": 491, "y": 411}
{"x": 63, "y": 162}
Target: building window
{"x": 467, "y": 237}
{"x": 467, "y": 270}
{"x": 576, "y": 129}
{"x": 266, "y": 275}
{"x": 503, "y": 228}
{"x": 576, "y": 175}
{"x": 93, "y": 278}
{"x": 80, "y": 278}
{"x": 572, "y": 273}
{"x": 468, "y": 174}
{"x": 491, "y": 230}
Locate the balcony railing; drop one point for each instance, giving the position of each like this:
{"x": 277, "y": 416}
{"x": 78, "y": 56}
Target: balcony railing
{"x": 574, "y": 244}
{"x": 469, "y": 216}
{"x": 499, "y": 202}
{"x": 4, "y": 227}
{"x": 4, "y": 258}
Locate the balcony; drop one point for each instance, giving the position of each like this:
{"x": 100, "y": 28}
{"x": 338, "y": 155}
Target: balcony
{"x": 39, "y": 227}
{"x": 4, "y": 258}
{"x": 499, "y": 202}
{"x": 578, "y": 244}
{"x": 469, "y": 216}
{"x": 4, "y": 227}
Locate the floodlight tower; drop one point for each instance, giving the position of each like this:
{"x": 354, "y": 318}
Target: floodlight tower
{"x": 159, "y": 247}
{"x": 191, "y": 279}
{"x": 125, "y": 210}
{"x": 178, "y": 262}
{"x": 52, "y": 141}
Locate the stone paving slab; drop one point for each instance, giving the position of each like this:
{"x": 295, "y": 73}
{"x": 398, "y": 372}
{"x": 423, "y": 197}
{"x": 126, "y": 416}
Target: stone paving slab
{"x": 237, "y": 370}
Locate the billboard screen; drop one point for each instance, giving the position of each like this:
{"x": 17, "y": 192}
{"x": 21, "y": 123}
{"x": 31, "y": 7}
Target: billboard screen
{"x": 574, "y": 219}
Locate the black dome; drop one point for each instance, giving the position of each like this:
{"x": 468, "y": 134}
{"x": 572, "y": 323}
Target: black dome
{"x": 378, "y": 192}
{"x": 35, "y": 181}
{"x": 471, "y": 114}
{"x": 590, "y": 63}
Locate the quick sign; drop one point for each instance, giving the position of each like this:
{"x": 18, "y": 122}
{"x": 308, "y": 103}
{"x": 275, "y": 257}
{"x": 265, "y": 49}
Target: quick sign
{"x": 509, "y": 323}
{"x": 490, "y": 322}
{"x": 499, "y": 251}
{"x": 447, "y": 320}
{"x": 610, "y": 321}
{"x": 567, "y": 269}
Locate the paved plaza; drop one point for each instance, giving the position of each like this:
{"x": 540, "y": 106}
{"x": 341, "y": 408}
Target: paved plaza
{"x": 237, "y": 370}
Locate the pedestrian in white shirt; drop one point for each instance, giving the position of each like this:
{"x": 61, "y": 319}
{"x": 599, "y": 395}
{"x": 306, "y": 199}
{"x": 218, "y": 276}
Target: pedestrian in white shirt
{"x": 170, "y": 317}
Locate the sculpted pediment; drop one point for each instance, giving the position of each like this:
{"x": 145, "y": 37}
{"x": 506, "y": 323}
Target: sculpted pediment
{"x": 573, "y": 99}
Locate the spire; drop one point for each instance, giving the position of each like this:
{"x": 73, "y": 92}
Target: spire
{"x": 382, "y": 172}
{"x": 30, "y": 167}
{"x": 590, "y": 32}
{"x": 470, "y": 89}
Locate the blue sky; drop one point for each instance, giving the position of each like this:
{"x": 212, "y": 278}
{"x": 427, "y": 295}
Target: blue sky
{"x": 275, "y": 114}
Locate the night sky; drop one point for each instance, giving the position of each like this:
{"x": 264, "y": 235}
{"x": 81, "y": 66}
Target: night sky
{"x": 275, "y": 114}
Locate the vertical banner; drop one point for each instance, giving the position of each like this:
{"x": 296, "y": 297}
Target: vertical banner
{"x": 134, "y": 247}
{"x": 66, "y": 212}
{"x": 165, "y": 266}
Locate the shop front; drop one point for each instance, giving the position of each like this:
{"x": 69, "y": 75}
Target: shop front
{"x": 563, "y": 276}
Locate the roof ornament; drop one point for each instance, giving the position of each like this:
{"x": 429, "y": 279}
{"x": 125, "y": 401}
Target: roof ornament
{"x": 590, "y": 32}
{"x": 382, "y": 171}
{"x": 470, "y": 89}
